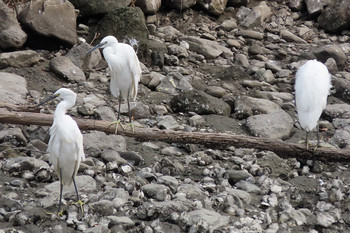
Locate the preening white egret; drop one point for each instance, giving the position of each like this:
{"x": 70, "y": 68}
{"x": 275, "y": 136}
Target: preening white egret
{"x": 66, "y": 142}
{"x": 312, "y": 86}
{"x": 125, "y": 70}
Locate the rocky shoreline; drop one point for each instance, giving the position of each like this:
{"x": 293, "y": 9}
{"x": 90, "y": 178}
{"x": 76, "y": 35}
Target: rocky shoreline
{"x": 222, "y": 66}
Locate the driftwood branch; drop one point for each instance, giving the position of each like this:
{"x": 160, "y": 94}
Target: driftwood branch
{"x": 213, "y": 140}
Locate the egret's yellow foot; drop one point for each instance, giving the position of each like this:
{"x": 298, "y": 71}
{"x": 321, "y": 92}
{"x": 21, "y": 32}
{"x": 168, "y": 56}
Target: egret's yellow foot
{"x": 81, "y": 204}
{"x": 60, "y": 214}
{"x": 116, "y": 123}
{"x": 132, "y": 126}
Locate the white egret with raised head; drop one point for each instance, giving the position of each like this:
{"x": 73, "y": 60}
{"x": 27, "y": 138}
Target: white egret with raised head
{"x": 125, "y": 71}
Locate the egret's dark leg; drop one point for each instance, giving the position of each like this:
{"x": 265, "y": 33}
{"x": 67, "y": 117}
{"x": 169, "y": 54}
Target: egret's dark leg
{"x": 61, "y": 191}
{"x": 79, "y": 201}
{"x": 318, "y": 133}
{"x": 130, "y": 118}
{"x": 117, "y": 122}
{"x": 128, "y": 100}
{"x": 120, "y": 103}
{"x": 306, "y": 140}
{"x": 76, "y": 190}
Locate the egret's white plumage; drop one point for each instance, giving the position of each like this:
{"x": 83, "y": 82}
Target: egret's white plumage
{"x": 124, "y": 66}
{"x": 312, "y": 86}
{"x": 66, "y": 141}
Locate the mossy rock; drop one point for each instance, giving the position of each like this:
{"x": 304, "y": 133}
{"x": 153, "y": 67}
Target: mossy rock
{"x": 125, "y": 23}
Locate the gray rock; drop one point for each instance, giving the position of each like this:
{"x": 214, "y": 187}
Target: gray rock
{"x": 121, "y": 197}
{"x": 276, "y": 125}
{"x": 246, "y": 106}
{"x": 168, "y": 33}
{"x": 336, "y": 16}
{"x": 257, "y": 48}
{"x": 94, "y": 146}
{"x": 103, "y": 207}
{"x": 120, "y": 221}
{"x": 214, "y": 7}
{"x": 341, "y": 137}
{"x": 209, "y": 49}
{"x": 172, "y": 151}
{"x": 264, "y": 10}
{"x": 213, "y": 220}
{"x": 11, "y": 33}
{"x": 235, "y": 176}
{"x": 228, "y": 24}
{"x": 149, "y": 7}
{"x": 65, "y": 68}
{"x": 177, "y": 50}
{"x": 173, "y": 83}
{"x": 241, "y": 60}
{"x": 179, "y": 4}
{"x": 94, "y": 100}
{"x": 248, "y": 187}
{"x": 14, "y": 136}
{"x": 216, "y": 91}
{"x": 248, "y": 18}
{"x": 250, "y": 34}
{"x": 78, "y": 56}
{"x": 25, "y": 163}
{"x": 156, "y": 191}
{"x": 330, "y": 51}
{"x": 325, "y": 219}
{"x": 167, "y": 122}
{"x": 314, "y": 7}
{"x": 166, "y": 209}
{"x": 191, "y": 191}
{"x": 169, "y": 181}
{"x": 289, "y": 36}
{"x": 196, "y": 120}
{"x": 296, "y": 5}
{"x": 138, "y": 110}
{"x": 25, "y": 58}
{"x": 112, "y": 155}
{"x": 97, "y": 229}
{"x": 105, "y": 113}
{"x": 50, "y": 18}
{"x": 13, "y": 88}
{"x": 200, "y": 103}
{"x": 337, "y": 111}
{"x": 96, "y": 7}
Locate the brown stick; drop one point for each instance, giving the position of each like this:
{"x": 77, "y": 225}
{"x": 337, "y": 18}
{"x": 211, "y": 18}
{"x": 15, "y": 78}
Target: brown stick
{"x": 214, "y": 140}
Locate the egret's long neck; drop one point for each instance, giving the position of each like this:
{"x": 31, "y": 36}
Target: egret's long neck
{"x": 62, "y": 108}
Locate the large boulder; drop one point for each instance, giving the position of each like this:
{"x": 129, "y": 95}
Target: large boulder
{"x": 11, "y": 34}
{"x": 126, "y": 24}
{"x": 213, "y": 7}
{"x": 200, "y": 103}
{"x": 149, "y": 6}
{"x": 179, "y": 4}
{"x": 97, "y": 7}
{"x": 50, "y": 23}
{"x": 336, "y": 16}
{"x": 13, "y": 88}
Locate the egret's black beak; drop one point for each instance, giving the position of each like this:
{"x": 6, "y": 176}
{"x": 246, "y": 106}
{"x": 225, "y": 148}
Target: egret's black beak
{"x": 48, "y": 99}
{"x": 96, "y": 47}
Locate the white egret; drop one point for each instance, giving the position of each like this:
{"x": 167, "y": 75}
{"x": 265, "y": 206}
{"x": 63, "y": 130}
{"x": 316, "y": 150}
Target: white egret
{"x": 312, "y": 86}
{"x": 66, "y": 142}
{"x": 125, "y": 70}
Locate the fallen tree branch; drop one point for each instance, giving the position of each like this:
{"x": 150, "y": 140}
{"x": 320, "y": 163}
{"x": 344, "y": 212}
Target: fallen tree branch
{"x": 213, "y": 140}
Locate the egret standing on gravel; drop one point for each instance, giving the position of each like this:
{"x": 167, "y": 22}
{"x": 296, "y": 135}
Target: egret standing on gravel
{"x": 66, "y": 142}
{"x": 125, "y": 70}
{"x": 312, "y": 86}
